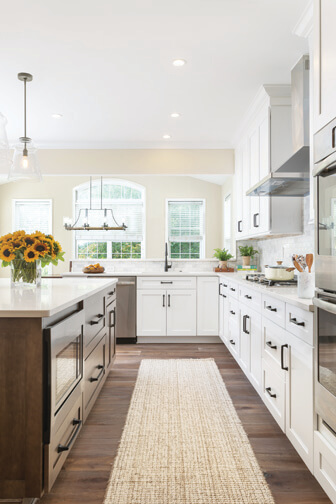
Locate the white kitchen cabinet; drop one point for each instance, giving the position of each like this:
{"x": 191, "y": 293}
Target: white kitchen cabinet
{"x": 298, "y": 358}
{"x": 324, "y": 62}
{"x": 265, "y": 142}
{"x": 151, "y": 312}
{"x": 221, "y": 300}
{"x": 207, "y": 306}
{"x": 181, "y": 312}
{"x": 250, "y": 345}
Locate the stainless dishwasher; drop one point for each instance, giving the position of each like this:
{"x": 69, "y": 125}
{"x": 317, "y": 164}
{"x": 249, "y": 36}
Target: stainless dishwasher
{"x": 126, "y": 310}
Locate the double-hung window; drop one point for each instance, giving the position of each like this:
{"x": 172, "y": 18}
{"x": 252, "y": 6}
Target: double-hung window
{"x": 185, "y": 228}
{"x": 127, "y": 201}
{"x": 32, "y": 215}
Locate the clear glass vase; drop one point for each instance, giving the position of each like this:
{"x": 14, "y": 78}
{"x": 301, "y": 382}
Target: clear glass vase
{"x": 25, "y": 274}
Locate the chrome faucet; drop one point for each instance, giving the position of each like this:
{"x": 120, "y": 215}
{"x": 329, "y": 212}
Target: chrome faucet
{"x": 166, "y": 266}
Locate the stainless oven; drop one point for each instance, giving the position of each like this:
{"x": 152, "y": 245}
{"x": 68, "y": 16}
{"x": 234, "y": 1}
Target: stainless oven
{"x": 325, "y": 364}
{"x": 325, "y": 206}
{"x": 325, "y": 268}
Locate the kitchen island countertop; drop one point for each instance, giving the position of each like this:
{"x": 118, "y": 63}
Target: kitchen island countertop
{"x": 54, "y": 295}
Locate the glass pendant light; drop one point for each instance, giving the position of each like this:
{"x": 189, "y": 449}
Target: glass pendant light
{"x": 25, "y": 163}
{"x": 5, "y": 159}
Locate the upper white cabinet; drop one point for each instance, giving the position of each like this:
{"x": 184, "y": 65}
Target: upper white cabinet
{"x": 324, "y": 62}
{"x": 265, "y": 142}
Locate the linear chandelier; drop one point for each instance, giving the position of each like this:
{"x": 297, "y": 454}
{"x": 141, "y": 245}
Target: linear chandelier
{"x": 84, "y": 216}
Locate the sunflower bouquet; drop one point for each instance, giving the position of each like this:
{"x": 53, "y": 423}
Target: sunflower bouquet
{"x": 26, "y": 252}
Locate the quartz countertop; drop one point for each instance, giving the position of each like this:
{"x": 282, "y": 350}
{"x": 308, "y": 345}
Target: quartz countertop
{"x": 285, "y": 293}
{"x": 54, "y": 295}
{"x": 173, "y": 273}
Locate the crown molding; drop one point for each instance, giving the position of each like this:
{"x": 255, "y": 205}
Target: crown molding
{"x": 304, "y": 27}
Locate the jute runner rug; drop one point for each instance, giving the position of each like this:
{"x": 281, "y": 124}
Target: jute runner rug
{"x": 183, "y": 442}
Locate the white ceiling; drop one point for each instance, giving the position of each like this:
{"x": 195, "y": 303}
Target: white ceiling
{"x": 106, "y": 66}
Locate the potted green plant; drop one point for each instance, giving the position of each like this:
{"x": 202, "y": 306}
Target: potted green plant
{"x": 247, "y": 252}
{"x": 223, "y": 256}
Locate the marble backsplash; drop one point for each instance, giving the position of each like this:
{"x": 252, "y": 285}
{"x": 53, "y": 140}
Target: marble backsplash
{"x": 281, "y": 249}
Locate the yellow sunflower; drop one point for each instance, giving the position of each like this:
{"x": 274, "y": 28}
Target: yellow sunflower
{"x": 29, "y": 240}
{"x": 16, "y": 244}
{"x": 38, "y": 235}
{"x": 57, "y": 247}
{"x": 6, "y": 253}
{"x": 6, "y": 238}
{"x": 30, "y": 255}
{"x": 41, "y": 248}
{"x": 18, "y": 234}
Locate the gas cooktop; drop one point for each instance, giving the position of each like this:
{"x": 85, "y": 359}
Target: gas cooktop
{"x": 259, "y": 278}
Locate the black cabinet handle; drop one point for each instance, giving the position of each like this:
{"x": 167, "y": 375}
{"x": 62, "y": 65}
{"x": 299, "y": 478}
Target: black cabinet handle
{"x": 97, "y": 378}
{"x": 245, "y": 317}
{"x": 232, "y": 342}
{"x": 269, "y": 308}
{"x": 224, "y": 296}
{"x": 164, "y": 282}
{"x": 114, "y": 317}
{"x": 62, "y": 448}
{"x": 285, "y": 368}
{"x": 269, "y": 344}
{"x": 97, "y": 319}
{"x": 163, "y": 300}
{"x": 219, "y": 289}
{"x": 232, "y": 312}
{"x": 232, "y": 289}
{"x": 269, "y": 392}
{"x": 168, "y": 300}
{"x": 294, "y": 321}
{"x": 224, "y": 285}
{"x": 247, "y": 296}
{"x": 111, "y": 293}
{"x": 239, "y": 226}
{"x": 255, "y": 220}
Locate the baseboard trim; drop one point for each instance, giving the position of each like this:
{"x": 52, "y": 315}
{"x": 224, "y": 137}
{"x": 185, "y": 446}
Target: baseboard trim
{"x": 179, "y": 339}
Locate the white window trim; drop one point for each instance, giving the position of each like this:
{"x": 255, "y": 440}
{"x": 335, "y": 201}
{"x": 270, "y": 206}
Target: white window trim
{"x": 233, "y": 240}
{"x": 116, "y": 181}
{"x": 202, "y": 247}
{"x": 34, "y": 200}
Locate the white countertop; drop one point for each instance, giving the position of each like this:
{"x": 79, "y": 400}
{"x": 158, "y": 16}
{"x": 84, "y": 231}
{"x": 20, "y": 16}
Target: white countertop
{"x": 173, "y": 273}
{"x": 285, "y": 293}
{"x": 53, "y": 296}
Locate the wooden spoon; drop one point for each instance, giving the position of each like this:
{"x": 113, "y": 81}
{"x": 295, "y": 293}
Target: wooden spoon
{"x": 297, "y": 266}
{"x": 309, "y": 261}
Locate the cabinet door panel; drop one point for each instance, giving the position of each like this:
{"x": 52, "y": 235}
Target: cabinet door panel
{"x": 299, "y": 398}
{"x": 324, "y": 62}
{"x": 207, "y": 306}
{"x": 151, "y": 312}
{"x": 254, "y": 327}
{"x": 181, "y": 313}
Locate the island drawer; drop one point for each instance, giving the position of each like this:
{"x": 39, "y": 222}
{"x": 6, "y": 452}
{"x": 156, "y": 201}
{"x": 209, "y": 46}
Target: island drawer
{"x": 94, "y": 320}
{"x": 167, "y": 282}
{"x": 62, "y": 441}
{"x": 94, "y": 373}
{"x": 110, "y": 295}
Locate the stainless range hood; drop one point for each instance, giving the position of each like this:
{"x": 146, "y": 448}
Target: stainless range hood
{"x": 292, "y": 178}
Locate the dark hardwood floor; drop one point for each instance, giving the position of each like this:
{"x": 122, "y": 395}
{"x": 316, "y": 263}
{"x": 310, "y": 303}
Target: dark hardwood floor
{"x": 85, "y": 474}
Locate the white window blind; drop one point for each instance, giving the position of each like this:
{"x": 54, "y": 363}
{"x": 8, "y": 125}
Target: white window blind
{"x": 186, "y": 228}
{"x": 32, "y": 215}
{"x": 227, "y": 222}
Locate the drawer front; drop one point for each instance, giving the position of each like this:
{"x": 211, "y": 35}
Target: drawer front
{"x": 94, "y": 371}
{"x": 233, "y": 338}
{"x": 300, "y": 323}
{"x": 110, "y": 295}
{"x": 94, "y": 320}
{"x": 325, "y": 464}
{"x": 273, "y": 393}
{"x": 250, "y": 297}
{"x": 62, "y": 441}
{"x": 233, "y": 311}
{"x": 167, "y": 282}
{"x": 233, "y": 289}
{"x": 274, "y": 309}
{"x": 273, "y": 341}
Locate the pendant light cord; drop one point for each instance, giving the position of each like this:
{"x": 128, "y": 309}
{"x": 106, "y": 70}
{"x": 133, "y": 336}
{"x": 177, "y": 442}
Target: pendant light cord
{"x": 25, "y": 106}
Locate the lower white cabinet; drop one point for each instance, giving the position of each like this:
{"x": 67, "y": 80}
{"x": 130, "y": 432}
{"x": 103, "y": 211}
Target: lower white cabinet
{"x": 151, "y": 312}
{"x": 207, "y": 306}
{"x": 181, "y": 313}
{"x": 325, "y": 459}
{"x": 250, "y": 345}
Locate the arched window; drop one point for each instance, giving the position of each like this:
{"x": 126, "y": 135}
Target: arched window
{"x": 127, "y": 200}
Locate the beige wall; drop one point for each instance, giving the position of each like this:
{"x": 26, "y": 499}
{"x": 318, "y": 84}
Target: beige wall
{"x": 135, "y": 161}
{"x": 158, "y": 188}
{"x": 229, "y": 188}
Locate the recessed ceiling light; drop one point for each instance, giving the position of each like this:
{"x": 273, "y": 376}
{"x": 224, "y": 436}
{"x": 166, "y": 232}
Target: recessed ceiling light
{"x": 179, "y": 62}
{"x": 56, "y": 116}
{"x": 166, "y": 137}
{"x": 175, "y": 114}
